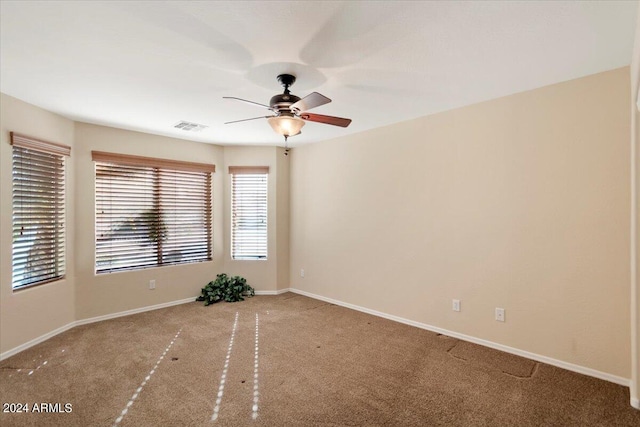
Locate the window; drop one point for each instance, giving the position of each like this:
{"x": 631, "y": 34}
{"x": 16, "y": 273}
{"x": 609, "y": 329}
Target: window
{"x": 38, "y": 251}
{"x": 248, "y": 212}
{"x": 151, "y": 212}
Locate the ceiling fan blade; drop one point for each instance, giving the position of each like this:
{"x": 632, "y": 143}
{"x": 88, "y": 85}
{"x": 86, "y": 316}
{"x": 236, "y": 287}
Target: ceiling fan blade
{"x": 328, "y": 120}
{"x": 310, "y": 101}
{"x": 248, "y": 102}
{"x": 245, "y": 120}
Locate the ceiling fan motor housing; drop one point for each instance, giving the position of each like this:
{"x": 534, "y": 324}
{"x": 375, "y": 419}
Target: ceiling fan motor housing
{"x": 283, "y": 101}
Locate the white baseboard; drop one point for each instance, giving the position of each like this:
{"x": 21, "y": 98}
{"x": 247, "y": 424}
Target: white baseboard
{"x": 133, "y": 311}
{"x": 37, "y": 340}
{"x": 68, "y": 326}
{"x": 635, "y": 402}
{"x": 276, "y": 292}
{"x": 533, "y": 356}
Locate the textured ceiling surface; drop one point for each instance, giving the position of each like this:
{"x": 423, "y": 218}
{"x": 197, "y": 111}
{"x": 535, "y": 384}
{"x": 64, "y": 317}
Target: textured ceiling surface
{"x": 147, "y": 65}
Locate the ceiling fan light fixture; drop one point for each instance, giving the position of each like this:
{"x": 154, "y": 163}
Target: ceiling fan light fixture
{"x": 286, "y": 125}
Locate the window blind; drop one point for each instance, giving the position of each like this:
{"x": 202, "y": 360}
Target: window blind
{"x": 248, "y": 212}
{"x": 151, "y": 213}
{"x": 38, "y": 203}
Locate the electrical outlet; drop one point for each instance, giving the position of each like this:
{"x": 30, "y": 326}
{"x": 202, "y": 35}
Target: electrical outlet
{"x": 500, "y": 314}
{"x": 152, "y": 284}
{"x": 302, "y": 272}
{"x": 456, "y": 305}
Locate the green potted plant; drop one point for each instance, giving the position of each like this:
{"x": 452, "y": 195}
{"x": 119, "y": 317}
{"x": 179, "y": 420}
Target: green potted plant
{"x": 230, "y": 289}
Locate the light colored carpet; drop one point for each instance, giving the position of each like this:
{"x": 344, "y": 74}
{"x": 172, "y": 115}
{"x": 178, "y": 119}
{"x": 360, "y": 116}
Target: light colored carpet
{"x": 317, "y": 365}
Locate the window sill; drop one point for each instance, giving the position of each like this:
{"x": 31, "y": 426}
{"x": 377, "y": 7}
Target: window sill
{"x": 35, "y": 285}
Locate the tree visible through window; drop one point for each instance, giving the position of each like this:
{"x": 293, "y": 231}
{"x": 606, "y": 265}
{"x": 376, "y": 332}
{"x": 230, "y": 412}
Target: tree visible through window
{"x": 249, "y": 212}
{"x": 151, "y": 212}
{"x": 38, "y": 201}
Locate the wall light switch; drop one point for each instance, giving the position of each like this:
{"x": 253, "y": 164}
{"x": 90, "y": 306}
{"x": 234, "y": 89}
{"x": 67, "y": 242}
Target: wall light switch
{"x": 152, "y": 284}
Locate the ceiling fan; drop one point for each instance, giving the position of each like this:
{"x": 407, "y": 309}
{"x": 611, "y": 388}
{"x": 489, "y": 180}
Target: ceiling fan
{"x": 290, "y": 111}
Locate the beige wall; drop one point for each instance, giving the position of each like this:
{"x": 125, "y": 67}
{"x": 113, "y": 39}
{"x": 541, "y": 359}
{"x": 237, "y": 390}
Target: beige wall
{"x": 520, "y": 202}
{"x": 270, "y": 274}
{"x": 28, "y": 314}
{"x": 102, "y": 294}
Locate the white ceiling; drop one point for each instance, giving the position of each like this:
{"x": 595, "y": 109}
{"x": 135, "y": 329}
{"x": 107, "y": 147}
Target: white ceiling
{"x": 147, "y": 65}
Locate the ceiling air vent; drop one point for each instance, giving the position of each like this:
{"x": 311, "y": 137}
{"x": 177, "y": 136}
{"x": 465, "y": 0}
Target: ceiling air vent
{"x": 189, "y": 127}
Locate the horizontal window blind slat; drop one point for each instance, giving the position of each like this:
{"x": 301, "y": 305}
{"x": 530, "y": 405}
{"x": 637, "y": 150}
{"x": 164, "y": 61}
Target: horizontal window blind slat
{"x": 37, "y": 158}
{"x": 43, "y": 161}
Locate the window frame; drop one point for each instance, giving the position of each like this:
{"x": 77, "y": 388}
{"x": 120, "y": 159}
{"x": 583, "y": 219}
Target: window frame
{"x": 165, "y": 176}
{"x": 249, "y": 170}
{"x": 50, "y": 159}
